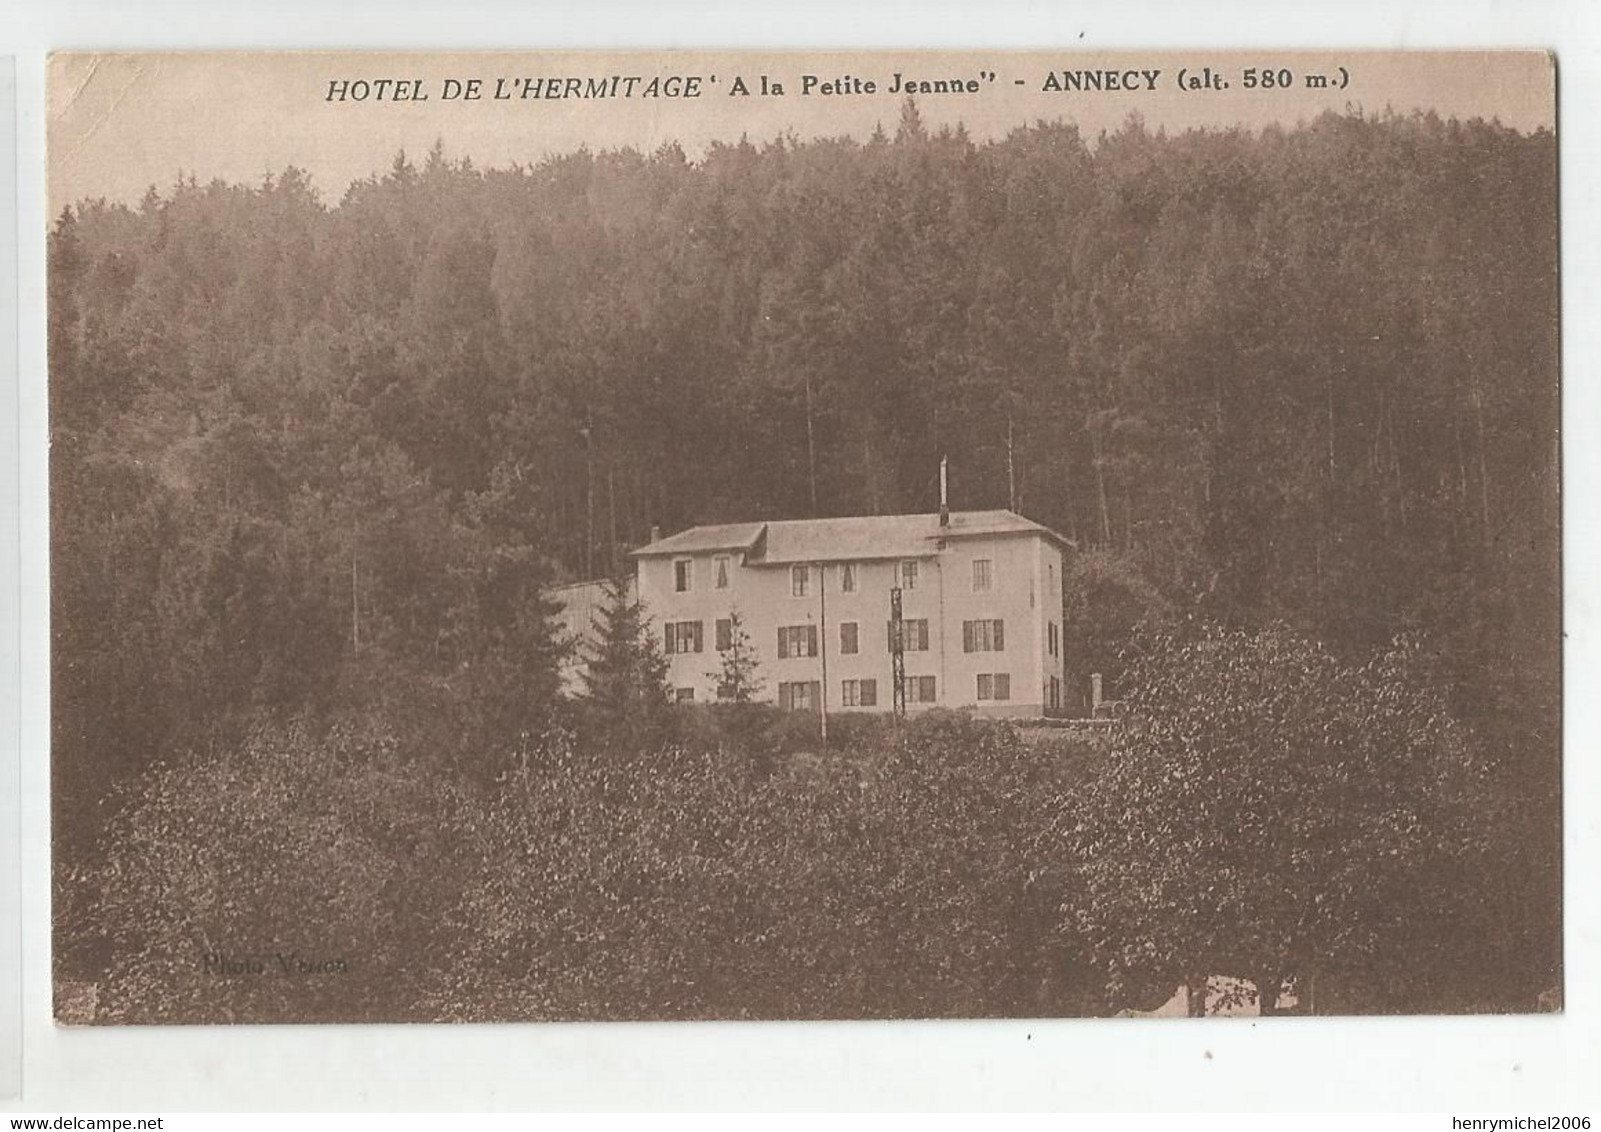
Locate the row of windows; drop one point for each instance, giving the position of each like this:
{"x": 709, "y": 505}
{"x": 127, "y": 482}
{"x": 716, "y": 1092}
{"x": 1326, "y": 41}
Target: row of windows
{"x": 684, "y": 574}
{"x": 800, "y": 577}
{"x": 804, "y": 695}
{"x": 801, "y": 640}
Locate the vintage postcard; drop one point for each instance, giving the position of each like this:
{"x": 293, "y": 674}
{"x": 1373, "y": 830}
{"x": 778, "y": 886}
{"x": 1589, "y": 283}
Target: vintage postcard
{"x": 785, "y": 535}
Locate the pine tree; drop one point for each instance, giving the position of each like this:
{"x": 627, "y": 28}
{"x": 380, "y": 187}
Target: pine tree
{"x": 739, "y": 680}
{"x": 626, "y": 694}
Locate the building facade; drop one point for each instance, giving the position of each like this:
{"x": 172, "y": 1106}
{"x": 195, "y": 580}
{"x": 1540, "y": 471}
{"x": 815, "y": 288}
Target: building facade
{"x": 981, "y": 609}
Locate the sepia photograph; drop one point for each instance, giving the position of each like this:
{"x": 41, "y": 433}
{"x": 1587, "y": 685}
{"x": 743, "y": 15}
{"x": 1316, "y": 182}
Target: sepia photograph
{"x": 749, "y": 535}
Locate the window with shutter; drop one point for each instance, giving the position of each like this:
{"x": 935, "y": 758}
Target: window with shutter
{"x": 1003, "y": 686}
{"x": 699, "y": 632}
{"x": 847, "y": 638}
{"x": 797, "y": 640}
{"x": 914, "y": 635}
{"x": 983, "y": 636}
{"x": 682, "y": 636}
{"x": 721, "y": 581}
{"x": 986, "y": 686}
{"x": 725, "y": 634}
{"x": 795, "y": 695}
{"x": 869, "y": 693}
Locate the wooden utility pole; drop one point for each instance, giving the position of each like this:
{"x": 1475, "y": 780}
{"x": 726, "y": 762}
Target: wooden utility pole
{"x": 822, "y": 646}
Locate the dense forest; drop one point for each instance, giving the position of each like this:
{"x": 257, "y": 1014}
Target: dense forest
{"x": 315, "y": 464}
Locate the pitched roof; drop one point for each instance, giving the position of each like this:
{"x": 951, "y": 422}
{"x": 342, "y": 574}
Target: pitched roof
{"x": 857, "y": 538}
{"x": 698, "y": 540}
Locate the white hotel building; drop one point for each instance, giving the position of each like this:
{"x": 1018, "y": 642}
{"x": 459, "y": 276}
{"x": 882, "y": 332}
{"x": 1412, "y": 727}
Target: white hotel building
{"x": 981, "y": 595}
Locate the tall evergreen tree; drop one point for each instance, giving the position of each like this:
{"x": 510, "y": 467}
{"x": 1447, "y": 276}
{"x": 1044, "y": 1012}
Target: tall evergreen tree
{"x": 626, "y": 695}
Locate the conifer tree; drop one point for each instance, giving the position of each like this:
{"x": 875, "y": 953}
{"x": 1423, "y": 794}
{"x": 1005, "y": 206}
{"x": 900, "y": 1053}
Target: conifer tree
{"x": 625, "y": 676}
{"x": 739, "y": 679}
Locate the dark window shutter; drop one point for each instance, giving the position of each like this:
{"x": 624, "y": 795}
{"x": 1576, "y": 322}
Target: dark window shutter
{"x": 869, "y": 696}
{"x": 700, "y": 636}
{"x": 1000, "y": 636}
{"x": 967, "y": 636}
{"x": 1003, "y": 686}
{"x": 811, "y": 640}
{"x": 783, "y": 647}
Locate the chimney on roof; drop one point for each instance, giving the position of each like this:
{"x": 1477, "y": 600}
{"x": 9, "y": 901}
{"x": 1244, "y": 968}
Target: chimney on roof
{"x": 944, "y": 499}
{"x": 655, "y": 533}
